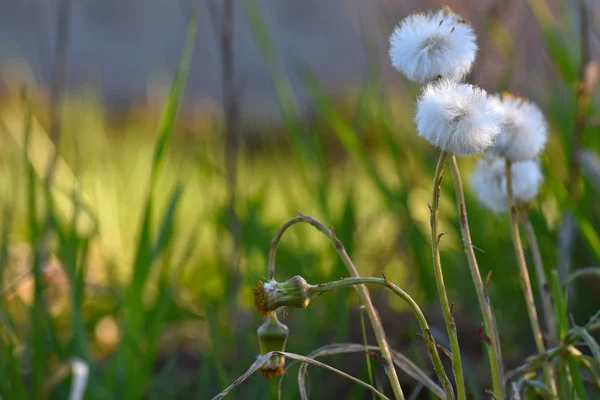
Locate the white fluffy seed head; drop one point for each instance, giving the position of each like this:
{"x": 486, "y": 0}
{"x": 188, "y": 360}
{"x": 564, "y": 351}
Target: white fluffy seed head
{"x": 457, "y": 117}
{"x": 425, "y": 46}
{"x": 524, "y": 131}
{"x": 489, "y": 182}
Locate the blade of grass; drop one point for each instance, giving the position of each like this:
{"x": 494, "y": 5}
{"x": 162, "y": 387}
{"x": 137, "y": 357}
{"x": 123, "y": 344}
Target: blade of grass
{"x": 366, "y": 346}
{"x": 283, "y": 86}
{"x": 126, "y": 359}
{"x": 170, "y": 112}
{"x": 585, "y": 225}
{"x": 345, "y": 133}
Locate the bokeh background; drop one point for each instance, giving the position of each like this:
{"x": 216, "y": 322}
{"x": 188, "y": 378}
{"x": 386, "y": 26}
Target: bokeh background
{"x": 148, "y": 278}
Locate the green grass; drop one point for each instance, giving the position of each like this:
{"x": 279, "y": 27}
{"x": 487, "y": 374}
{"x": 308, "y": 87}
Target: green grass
{"x": 136, "y": 223}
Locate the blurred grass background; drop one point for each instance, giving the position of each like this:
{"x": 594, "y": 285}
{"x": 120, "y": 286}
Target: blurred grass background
{"x": 139, "y": 259}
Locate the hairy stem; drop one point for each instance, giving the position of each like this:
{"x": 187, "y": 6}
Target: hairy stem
{"x": 439, "y": 277}
{"x": 428, "y": 337}
{"x": 363, "y": 292}
{"x": 541, "y": 276}
{"x": 491, "y": 329}
{"x": 525, "y": 281}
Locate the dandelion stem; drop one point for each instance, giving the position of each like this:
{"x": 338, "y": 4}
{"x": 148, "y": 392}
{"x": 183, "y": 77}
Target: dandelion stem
{"x": 491, "y": 329}
{"x": 428, "y": 337}
{"x": 525, "y": 281}
{"x": 439, "y": 277}
{"x": 362, "y": 292}
{"x": 541, "y": 276}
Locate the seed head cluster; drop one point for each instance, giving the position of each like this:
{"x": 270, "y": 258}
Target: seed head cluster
{"x": 438, "y": 49}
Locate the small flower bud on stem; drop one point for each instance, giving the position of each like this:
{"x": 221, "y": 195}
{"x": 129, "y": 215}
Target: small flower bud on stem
{"x": 271, "y": 295}
{"x": 272, "y": 336}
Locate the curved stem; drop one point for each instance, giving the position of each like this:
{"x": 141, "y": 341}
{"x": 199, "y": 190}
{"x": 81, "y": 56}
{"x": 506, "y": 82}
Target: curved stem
{"x": 541, "y": 276}
{"x": 439, "y": 277}
{"x": 275, "y": 242}
{"x": 363, "y": 293}
{"x": 491, "y": 329}
{"x": 525, "y": 281}
{"x": 593, "y": 272}
{"x": 428, "y": 337}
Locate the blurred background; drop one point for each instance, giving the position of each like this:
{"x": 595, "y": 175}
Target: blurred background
{"x": 132, "y": 234}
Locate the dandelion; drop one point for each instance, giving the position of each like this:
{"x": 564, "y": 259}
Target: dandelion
{"x": 489, "y": 182}
{"x": 272, "y": 336}
{"x": 457, "y": 117}
{"x": 271, "y": 295}
{"x": 524, "y": 131}
{"x": 426, "y": 46}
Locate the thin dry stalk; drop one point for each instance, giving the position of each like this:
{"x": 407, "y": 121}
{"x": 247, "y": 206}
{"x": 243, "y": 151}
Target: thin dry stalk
{"x": 400, "y": 360}
{"x": 225, "y": 30}
{"x": 525, "y": 280}
{"x": 265, "y": 357}
{"x": 541, "y": 277}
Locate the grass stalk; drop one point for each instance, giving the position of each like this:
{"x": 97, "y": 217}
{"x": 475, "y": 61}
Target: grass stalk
{"x": 525, "y": 281}
{"x": 489, "y": 322}
{"x": 363, "y": 292}
{"x": 363, "y": 327}
{"x": 439, "y": 278}
{"x": 583, "y": 89}
{"x": 541, "y": 276}
{"x": 59, "y": 82}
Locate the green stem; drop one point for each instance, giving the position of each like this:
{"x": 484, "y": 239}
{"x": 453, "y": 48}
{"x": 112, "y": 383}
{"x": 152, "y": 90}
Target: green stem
{"x": 541, "y": 276}
{"x": 491, "y": 329}
{"x": 439, "y": 277}
{"x": 429, "y": 339}
{"x": 362, "y": 292}
{"x": 525, "y": 281}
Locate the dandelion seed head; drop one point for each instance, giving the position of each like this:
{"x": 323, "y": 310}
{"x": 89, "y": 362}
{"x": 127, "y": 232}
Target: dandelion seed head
{"x": 457, "y": 117}
{"x": 427, "y": 45}
{"x": 488, "y": 181}
{"x": 524, "y": 130}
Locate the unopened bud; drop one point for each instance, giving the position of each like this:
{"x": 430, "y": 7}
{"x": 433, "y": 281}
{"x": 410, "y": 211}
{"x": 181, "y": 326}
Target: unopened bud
{"x": 272, "y": 336}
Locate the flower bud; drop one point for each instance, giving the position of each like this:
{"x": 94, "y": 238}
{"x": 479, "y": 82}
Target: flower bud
{"x": 271, "y": 295}
{"x": 272, "y": 336}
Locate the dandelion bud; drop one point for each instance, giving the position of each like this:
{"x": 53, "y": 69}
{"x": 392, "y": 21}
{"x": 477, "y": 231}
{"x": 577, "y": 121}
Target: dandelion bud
{"x": 524, "y": 131}
{"x": 271, "y": 295}
{"x": 457, "y": 117}
{"x": 272, "y": 336}
{"x": 489, "y": 182}
{"x": 426, "y": 46}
